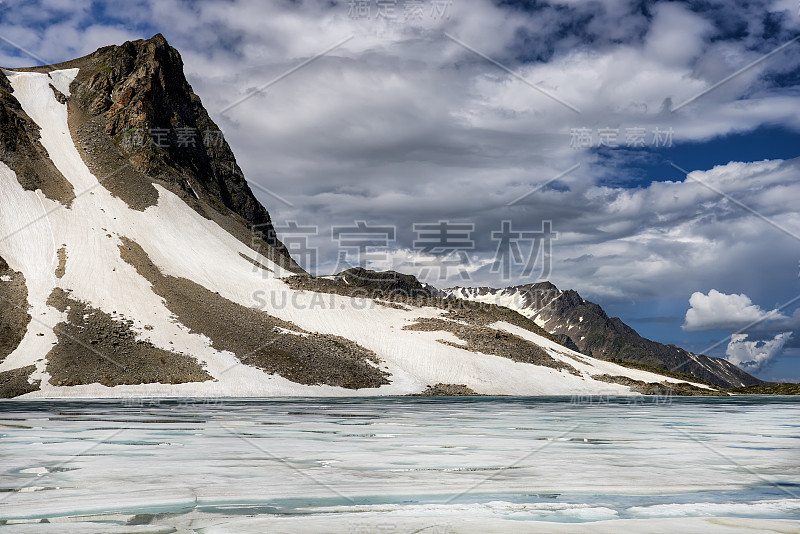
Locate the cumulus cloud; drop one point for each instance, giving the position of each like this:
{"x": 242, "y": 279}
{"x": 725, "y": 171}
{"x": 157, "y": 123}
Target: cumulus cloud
{"x": 718, "y": 310}
{"x": 753, "y": 356}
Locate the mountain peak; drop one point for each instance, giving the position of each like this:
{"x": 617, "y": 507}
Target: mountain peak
{"x": 159, "y": 39}
{"x": 133, "y": 104}
{"x": 536, "y": 286}
{"x": 156, "y": 42}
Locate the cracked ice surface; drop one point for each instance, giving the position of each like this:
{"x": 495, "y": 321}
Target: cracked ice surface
{"x": 401, "y": 464}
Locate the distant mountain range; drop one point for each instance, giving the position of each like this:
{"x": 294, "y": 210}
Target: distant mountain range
{"x": 585, "y": 327}
{"x": 135, "y": 260}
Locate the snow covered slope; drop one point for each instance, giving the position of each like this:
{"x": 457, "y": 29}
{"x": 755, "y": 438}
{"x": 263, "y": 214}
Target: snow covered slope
{"x": 527, "y": 303}
{"x": 163, "y": 301}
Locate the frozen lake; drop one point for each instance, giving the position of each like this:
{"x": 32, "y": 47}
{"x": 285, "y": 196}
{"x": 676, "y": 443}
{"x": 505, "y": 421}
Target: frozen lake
{"x": 428, "y": 465}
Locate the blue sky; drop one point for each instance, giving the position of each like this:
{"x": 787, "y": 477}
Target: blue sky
{"x": 466, "y": 111}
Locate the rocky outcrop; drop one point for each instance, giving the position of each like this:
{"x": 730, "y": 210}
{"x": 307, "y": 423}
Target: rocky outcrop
{"x": 386, "y": 282}
{"x": 446, "y": 390}
{"x": 94, "y": 347}
{"x": 17, "y": 382}
{"x": 14, "y": 316}
{"x": 364, "y": 283}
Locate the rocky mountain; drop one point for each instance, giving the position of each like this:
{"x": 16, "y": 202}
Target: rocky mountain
{"x": 137, "y": 123}
{"x": 135, "y": 260}
{"x": 585, "y": 327}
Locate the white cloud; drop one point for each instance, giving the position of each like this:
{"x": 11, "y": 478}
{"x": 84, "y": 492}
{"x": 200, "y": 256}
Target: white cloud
{"x": 718, "y": 310}
{"x": 677, "y": 35}
{"x": 753, "y": 356}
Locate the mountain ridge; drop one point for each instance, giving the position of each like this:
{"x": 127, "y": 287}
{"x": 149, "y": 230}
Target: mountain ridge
{"x": 586, "y": 325}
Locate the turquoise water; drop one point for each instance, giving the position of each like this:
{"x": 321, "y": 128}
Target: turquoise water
{"x": 197, "y": 464}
